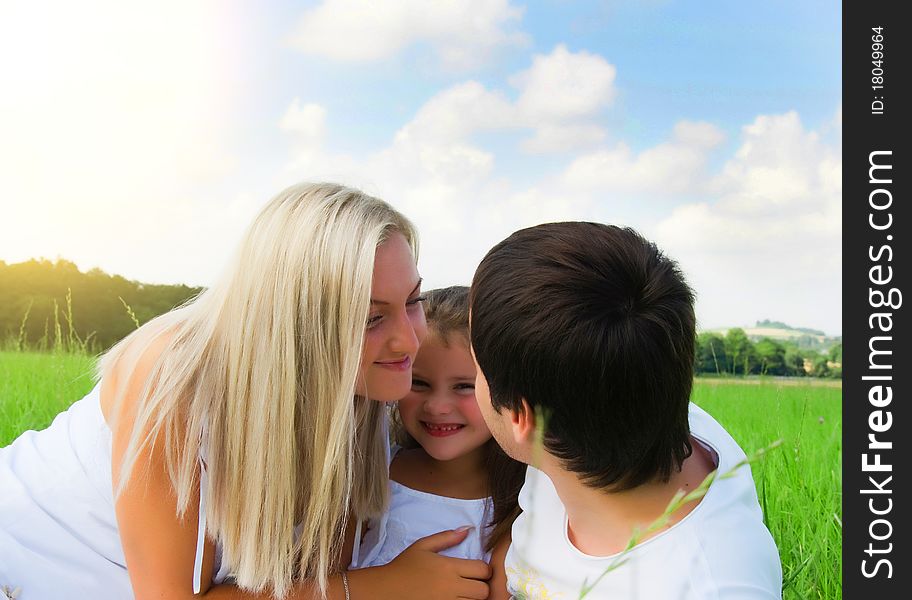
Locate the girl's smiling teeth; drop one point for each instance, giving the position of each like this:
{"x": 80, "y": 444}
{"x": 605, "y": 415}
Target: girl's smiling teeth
{"x": 441, "y": 429}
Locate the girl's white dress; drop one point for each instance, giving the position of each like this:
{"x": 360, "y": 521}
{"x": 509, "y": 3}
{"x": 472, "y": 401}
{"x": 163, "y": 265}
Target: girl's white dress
{"x": 58, "y": 530}
{"x": 412, "y": 515}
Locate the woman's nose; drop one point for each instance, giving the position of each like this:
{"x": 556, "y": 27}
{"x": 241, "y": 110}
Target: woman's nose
{"x": 407, "y": 334}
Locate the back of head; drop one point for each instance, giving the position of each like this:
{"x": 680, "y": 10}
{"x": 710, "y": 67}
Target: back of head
{"x": 594, "y": 325}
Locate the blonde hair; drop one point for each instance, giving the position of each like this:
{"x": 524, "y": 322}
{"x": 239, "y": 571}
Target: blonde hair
{"x": 258, "y": 377}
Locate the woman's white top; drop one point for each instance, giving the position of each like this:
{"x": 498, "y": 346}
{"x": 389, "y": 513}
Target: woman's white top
{"x": 412, "y": 515}
{"x": 721, "y": 550}
{"x": 58, "y": 530}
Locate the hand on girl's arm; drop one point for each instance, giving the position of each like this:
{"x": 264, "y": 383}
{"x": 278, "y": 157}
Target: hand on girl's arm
{"x": 421, "y": 573}
{"x": 498, "y": 581}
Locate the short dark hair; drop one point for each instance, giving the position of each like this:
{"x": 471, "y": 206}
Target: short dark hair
{"x": 592, "y": 324}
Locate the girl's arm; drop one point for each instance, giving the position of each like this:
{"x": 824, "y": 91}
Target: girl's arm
{"x": 498, "y": 582}
{"x": 160, "y": 548}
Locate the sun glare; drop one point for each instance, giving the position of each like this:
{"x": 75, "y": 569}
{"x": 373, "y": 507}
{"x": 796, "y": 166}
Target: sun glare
{"x": 109, "y": 109}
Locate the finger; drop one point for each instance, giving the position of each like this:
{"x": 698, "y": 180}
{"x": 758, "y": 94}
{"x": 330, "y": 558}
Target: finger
{"x": 474, "y": 569}
{"x": 443, "y": 540}
{"x": 473, "y": 590}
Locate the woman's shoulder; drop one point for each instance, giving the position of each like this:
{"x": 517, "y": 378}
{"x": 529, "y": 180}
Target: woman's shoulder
{"x": 124, "y": 376}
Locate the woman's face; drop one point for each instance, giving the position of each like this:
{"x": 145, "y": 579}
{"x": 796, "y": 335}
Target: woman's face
{"x": 395, "y": 323}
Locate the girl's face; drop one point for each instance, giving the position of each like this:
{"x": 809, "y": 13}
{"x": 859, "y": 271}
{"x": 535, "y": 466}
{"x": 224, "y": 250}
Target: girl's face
{"x": 395, "y": 324}
{"x": 441, "y": 412}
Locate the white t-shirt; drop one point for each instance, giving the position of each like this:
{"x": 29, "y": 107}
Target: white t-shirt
{"x": 720, "y": 551}
{"x": 412, "y": 515}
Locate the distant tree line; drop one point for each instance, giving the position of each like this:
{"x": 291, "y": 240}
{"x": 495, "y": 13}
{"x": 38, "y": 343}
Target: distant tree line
{"x": 46, "y": 305}
{"x": 735, "y": 354}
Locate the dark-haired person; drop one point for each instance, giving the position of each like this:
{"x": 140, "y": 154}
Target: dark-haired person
{"x": 593, "y": 327}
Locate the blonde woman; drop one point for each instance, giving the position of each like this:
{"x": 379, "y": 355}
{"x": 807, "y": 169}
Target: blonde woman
{"x": 232, "y": 444}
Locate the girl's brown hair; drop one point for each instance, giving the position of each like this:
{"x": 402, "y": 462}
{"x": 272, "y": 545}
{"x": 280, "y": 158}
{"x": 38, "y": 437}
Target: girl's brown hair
{"x": 447, "y": 314}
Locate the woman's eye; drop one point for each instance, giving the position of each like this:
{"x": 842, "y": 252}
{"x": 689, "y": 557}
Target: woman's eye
{"x": 373, "y": 321}
{"x": 415, "y": 301}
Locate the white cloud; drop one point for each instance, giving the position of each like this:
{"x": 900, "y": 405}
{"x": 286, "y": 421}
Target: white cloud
{"x": 455, "y": 164}
{"x": 559, "y": 139}
{"x": 306, "y": 127}
{"x": 776, "y": 167}
{"x": 673, "y": 167}
{"x": 698, "y": 134}
{"x": 458, "y": 112}
{"x": 560, "y": 98}
{"x": 763, "y": 241}
{"x": 463, "y": 33}
{"x": 771, "y": 234}
{"x": 563, "y": 86}
{"x": 307, "y": 122}
{"x": 437, "y": 141}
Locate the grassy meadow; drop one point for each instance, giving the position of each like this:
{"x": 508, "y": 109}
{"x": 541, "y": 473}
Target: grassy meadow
{"x": 34, "y": 387}
{"x": 799, "y": 483}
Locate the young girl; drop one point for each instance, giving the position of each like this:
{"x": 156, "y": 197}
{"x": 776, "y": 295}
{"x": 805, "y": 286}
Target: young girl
{"x": 446, "y": 470}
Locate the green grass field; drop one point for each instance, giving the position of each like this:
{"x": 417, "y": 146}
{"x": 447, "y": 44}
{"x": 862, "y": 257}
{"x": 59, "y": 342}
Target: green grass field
{"x": 35, "y": 387}
{"x": 799, "y": 484}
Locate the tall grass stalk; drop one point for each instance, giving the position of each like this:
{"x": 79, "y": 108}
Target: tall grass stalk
{"x": 59, "y": 341}
{"x": 129, "y": 311}
{"x": 58, "y": 332}
{"x": 43, "y": 342}
{"x": 21, "y": 341}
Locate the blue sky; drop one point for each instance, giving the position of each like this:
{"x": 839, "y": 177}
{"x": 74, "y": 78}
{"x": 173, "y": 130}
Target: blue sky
{"x": 142, "y": 138}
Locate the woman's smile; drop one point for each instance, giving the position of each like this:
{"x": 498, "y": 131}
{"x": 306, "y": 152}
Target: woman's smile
{"x": 398, "y": 364}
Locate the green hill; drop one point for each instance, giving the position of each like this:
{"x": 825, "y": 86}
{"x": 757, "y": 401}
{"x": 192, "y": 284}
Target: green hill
{"x": 44, "y": 304}
{"x": 805, "y": 338}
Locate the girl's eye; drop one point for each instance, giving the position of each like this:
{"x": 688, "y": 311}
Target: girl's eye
{"x": 374, "y": 321}
{"x": 464, "y": 387}
{"x": 418, "y": 384}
